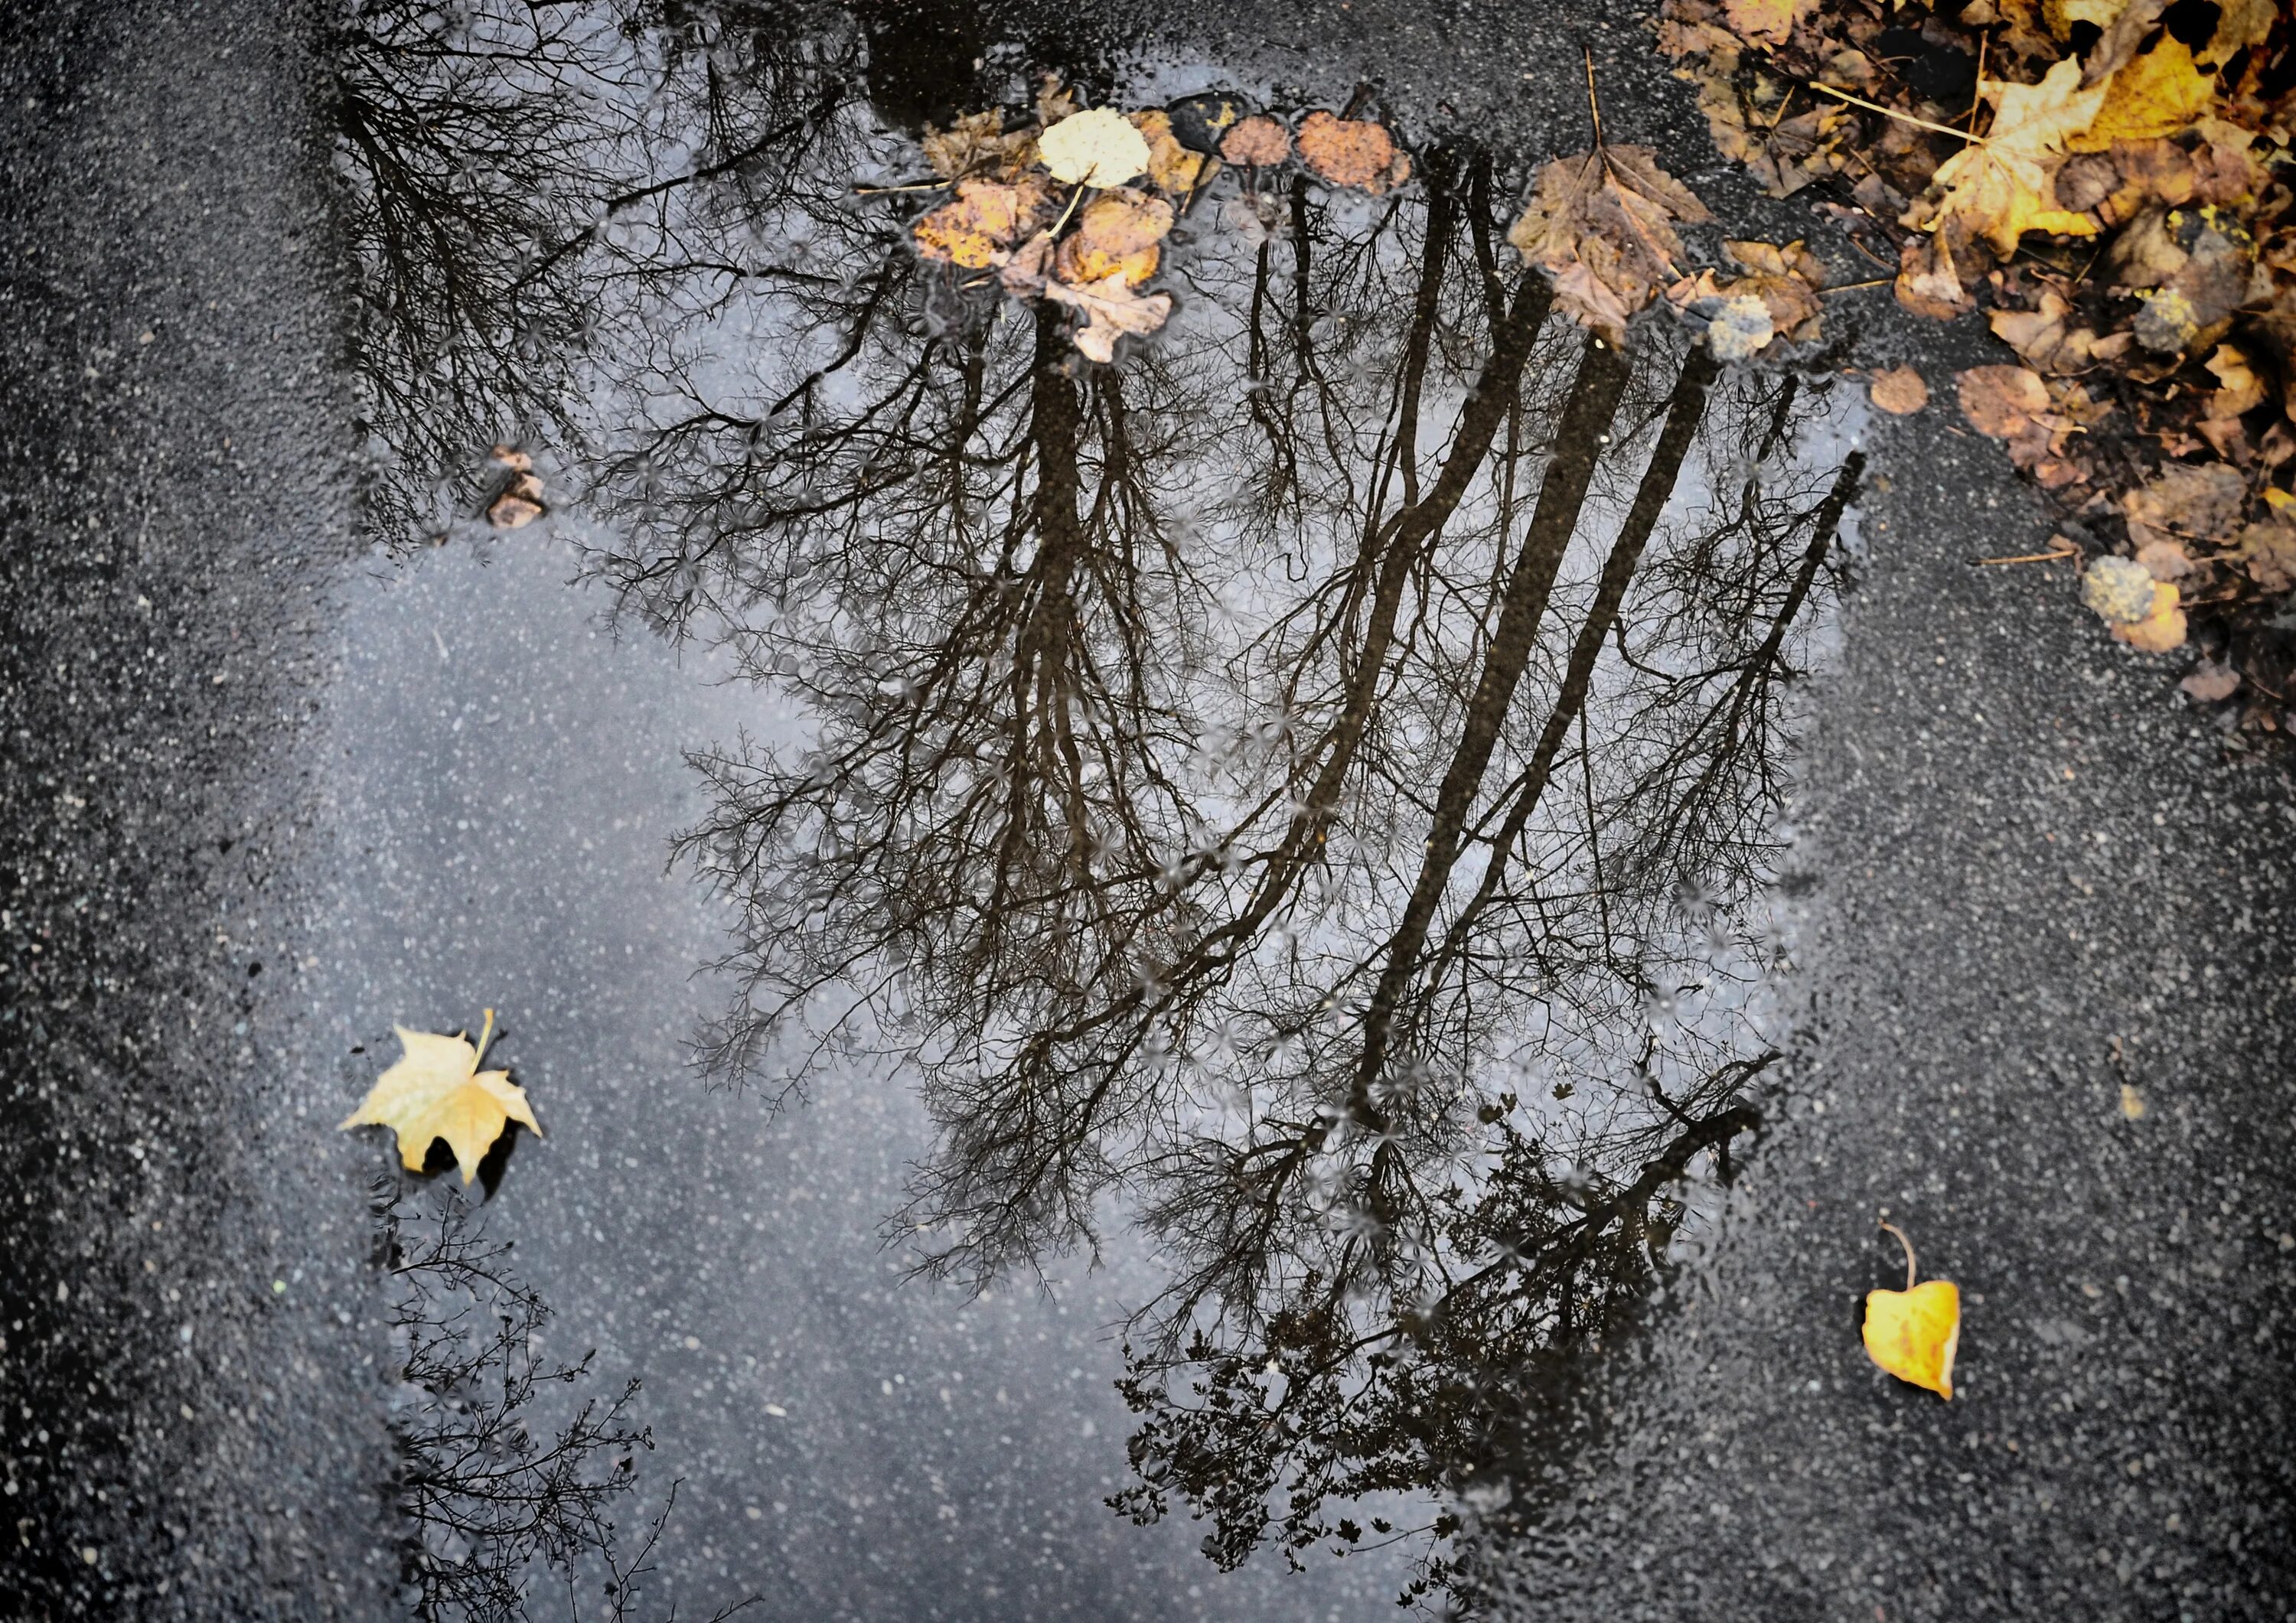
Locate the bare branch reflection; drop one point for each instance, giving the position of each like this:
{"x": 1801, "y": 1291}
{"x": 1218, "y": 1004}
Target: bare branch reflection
{"x": 1306, "y": 788}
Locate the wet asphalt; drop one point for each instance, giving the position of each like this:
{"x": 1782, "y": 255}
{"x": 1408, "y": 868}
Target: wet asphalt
{"x": 267, "y": 792}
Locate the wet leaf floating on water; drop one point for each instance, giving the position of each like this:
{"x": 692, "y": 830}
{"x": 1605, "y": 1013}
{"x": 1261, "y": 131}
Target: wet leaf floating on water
{"x": 1117, "y": 234}
{"x": 1172, "y": 166}
{"x": 1099, "y": 147}
{"x": 979, "y": 140}
{"x": 1914, "y": 1333}
{"x": 985, "y": 218}
{"x": 1899, "y": 391}
{"x": 1201, "y": 122}
{"x": 1259, "y": 142}
{"x": 437, "y": 1090}
{"x": 1113, "y": 310}
{"x": 1357, "y": 152}
{"x": 1602, "y": 226}
{"x": 519, "y": 501}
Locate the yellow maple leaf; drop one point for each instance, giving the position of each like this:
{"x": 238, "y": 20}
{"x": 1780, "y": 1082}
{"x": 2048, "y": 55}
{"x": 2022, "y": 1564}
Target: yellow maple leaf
{"x": 437, "y": 1090}
{"x": 2156, "y": 94}
{"x": 1913, "y": 1333}
{"x": 2005, "y": 185}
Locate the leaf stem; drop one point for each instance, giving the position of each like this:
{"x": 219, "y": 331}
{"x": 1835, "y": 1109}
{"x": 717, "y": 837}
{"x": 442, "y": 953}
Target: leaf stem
{"x": 1902, "y": 118}
{"x": 485, "y": 1037}
{"x": 1592, "y": 106}
{"x": 1909, "y": 1245}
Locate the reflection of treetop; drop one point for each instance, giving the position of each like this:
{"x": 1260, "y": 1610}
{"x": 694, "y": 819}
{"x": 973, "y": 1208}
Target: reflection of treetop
{"x": 1311, "y": 775}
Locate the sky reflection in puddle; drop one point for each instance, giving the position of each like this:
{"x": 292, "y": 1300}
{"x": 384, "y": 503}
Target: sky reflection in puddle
{"x": 1289, "y": 811}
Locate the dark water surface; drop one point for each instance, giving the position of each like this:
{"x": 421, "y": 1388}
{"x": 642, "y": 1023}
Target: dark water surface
{"x": 1271, "y": 834}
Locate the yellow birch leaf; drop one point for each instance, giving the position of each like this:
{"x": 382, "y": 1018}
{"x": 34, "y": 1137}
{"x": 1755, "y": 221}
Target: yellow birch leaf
{"x": 2157, "y": 94}
{"x": 1914, "y": 1333}
{"x": 437, "y": 1090}
{"x": 2005, "y": 185}
{"x": 1098, "y": 147}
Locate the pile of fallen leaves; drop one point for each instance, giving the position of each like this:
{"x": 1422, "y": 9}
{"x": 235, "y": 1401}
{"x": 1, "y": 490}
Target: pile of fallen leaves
{"x": 2109, "y": 181}
{"x": 1075, "y": 208}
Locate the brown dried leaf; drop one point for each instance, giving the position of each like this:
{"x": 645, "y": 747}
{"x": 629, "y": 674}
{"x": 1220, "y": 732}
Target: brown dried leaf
{"x": 1766, "y": 22}
{"x": 1899, "y": 391}
{"x": 1257, "y": 142}
{"x": 1928, "y": 282}
{"x": 2210, "y": 682}
{"x": 985, "y": 217}
{"x": 977, "y": 141}
{"x": 2267, "y": 552}
{"x": 1111, "y": 310}
{"x": 2001, "y": 401}
{"x": 1602, "y": 226}
{"x": 2198, "y": 504}
{"x": 1355, "y": 153}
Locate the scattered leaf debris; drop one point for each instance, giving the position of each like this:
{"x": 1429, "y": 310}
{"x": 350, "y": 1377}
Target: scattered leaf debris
{"x": 2110, "y": 182}
{"x": 1078, "y": 209}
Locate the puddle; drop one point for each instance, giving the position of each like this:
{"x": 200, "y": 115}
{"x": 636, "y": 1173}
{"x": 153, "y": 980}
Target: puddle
{"x": 1286, "y": 816}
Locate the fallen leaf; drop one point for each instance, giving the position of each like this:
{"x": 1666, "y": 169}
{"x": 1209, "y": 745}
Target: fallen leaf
{"x": 1117, "y": 234}
{"x": 2157, "y": 94}
{"x": 2240, "y": 24}
{"x": 1766, "y": 22}
{"x": 1355, "y": 153}
{"x": 2132, "y": 1103}
{"x": 518, "y": 503}
{"x": 437, "y": 1090}
{"x": 2001, "y": 401}
{"x": 2184, "y": 502}
{"x": 1929, "y": 283}
{"x": 1778, "y": 298}
{"x": 2211, "y": 682}
{"x": 1200, "y": 122}
{"x": 1602, "y": 226}
{"x": 2001, "y": 187}
{"x": 2267, "y": 552}
{"x": 1171, "y": 166}
{"x": 1023, "y": 271}
{"x": 1099, "y": 147}
{"x": 1899, "y": 391}
{"x": 977, "y": 141}
{"x": 2165, "y": 559}
{"x": 2140, "y": 610}
{"x": 2044, "y": 340}
{"x": 985, "y": 217}
{"x": 1257, "y": 142}
{"x": 1914, "y": 1333}
{"x": 2239, "y": 390}
{"x": 2161, "y": 631}
{"x": 1112, "y": 309}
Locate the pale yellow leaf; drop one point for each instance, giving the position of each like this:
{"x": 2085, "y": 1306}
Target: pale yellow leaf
{"x": 437, "y": 1090}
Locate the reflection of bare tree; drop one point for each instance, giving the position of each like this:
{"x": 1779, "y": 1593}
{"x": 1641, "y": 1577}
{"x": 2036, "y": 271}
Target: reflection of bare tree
{"x": 1310, "y": 777}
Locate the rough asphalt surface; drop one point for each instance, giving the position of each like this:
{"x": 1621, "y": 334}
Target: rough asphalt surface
{"x": 2028, "y": 878}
